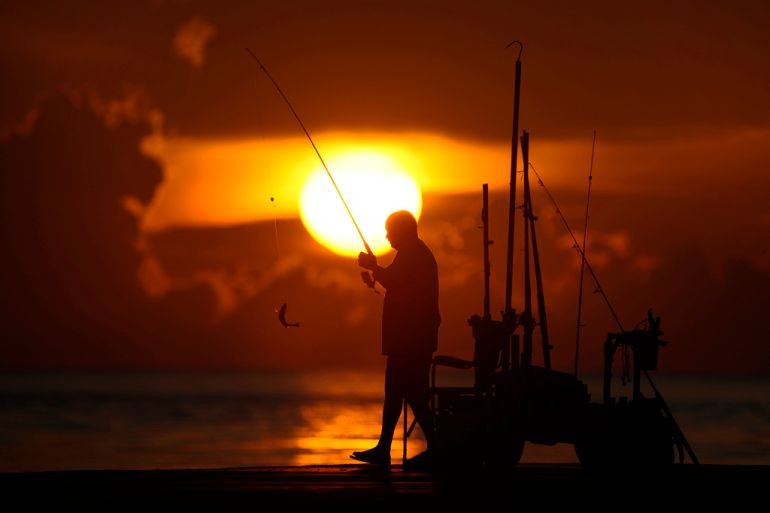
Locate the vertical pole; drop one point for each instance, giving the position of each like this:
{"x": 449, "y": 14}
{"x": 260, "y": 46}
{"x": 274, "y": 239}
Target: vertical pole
{"x": 583, "y": 260}
{"x": 512, "y": 192}
{"x": 541, "y": 311}
{"x": 609, "y": 351}
{"x": 528, "y": 318}
{"x": 515, "y": 350}
{"x": 406, "y": 433}
{"x": 637, "y": 385}
{"x": 485, "y": 223}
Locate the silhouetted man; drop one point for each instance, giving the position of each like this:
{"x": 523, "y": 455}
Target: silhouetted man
{"x": 410, "y": 321}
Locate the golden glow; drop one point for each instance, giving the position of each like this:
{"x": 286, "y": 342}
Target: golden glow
{"x": 373, "y": 185}
{"x": 331, "y": 431}
{"x": 217, "y": 182}
{"x": 227, "y": 181}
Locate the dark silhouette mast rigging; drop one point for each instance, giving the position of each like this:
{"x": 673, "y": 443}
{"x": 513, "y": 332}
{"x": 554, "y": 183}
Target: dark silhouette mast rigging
{"x": 508, "y": 312}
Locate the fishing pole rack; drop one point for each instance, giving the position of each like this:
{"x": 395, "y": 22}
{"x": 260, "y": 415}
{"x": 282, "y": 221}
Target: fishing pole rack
{"x": 513, "y": 401}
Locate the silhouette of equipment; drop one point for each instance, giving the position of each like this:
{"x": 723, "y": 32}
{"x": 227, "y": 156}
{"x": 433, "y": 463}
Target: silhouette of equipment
{"x": 512, "y": 400}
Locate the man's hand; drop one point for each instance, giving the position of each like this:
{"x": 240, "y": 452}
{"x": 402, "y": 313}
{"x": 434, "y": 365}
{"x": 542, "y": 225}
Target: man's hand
{"x": 367, "y": 261}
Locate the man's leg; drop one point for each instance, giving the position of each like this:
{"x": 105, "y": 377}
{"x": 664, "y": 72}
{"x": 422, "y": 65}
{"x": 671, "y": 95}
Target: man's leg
{"x": 418, "y": 397}
{"x": 391, "y": 411}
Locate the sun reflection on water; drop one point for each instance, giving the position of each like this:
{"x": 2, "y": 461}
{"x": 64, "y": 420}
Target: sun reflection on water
{"x": 331, "y": 432}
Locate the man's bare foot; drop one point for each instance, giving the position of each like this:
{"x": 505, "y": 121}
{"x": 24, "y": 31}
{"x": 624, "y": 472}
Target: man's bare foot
{"x": 375, "y": 456}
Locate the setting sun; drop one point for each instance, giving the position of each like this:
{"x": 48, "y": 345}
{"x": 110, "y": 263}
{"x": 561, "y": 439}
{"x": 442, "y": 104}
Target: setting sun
{"x": 373, "y": 185}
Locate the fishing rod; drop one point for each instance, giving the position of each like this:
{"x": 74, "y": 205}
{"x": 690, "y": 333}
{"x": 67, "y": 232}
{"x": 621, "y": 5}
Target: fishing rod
{"x": 578, "y": 248}
{"x": 582, "y": 260}
{"x": 326, "y": 168}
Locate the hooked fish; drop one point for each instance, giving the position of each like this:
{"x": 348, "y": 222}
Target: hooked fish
{"x": 282, "y": 317}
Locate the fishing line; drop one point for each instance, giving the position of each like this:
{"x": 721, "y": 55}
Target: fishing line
{"x": 326, "y": 168}
{"x": 280, "y": 310}
{"x": 576, "y": 245}
{"x": 582, "y": 260}
{"x": 275, "y": 224}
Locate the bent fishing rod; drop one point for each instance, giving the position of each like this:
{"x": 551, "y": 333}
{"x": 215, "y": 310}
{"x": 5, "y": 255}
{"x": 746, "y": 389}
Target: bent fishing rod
{"x": 323, "y": 163}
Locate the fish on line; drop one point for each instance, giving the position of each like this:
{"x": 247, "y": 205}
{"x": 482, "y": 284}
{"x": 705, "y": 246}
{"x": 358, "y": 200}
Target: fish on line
{"x": 282, "y": 317}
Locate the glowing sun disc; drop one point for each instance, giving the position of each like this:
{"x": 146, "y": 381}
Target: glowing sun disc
{"x": 373, "y": 185}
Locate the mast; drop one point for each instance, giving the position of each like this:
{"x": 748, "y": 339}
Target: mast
{"x": 527, "y": 318}
{"x": 487, "y": 271}
{"x": 512, "y": 194}
{"x": 530, "y": 217}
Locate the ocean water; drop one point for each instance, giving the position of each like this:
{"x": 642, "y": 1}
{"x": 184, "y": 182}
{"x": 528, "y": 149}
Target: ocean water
{"x": 150, "y": 420}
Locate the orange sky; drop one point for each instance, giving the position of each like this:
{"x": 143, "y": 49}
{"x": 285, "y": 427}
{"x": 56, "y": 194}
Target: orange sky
{"x": 155, "y": 107}
{"x": 216, "y": 181}
{"x": 231, "y": 181}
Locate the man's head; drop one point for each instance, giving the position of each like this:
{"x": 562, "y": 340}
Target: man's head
{"x": 401, "y": 228}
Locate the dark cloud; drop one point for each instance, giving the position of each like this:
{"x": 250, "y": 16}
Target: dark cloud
{"x": 70, "y": 260}
{"x": 651, "y": 69}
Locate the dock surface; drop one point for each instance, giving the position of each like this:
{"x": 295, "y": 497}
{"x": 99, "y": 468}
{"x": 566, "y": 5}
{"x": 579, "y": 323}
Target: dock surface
{"x": 368, "y": 488}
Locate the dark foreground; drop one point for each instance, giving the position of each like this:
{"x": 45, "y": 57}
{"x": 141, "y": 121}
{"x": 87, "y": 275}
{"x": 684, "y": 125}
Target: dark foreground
{"x": 365, "y": 488}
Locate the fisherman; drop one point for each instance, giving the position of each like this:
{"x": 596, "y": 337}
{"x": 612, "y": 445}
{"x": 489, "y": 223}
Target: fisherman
{"x": 410, "y": 322}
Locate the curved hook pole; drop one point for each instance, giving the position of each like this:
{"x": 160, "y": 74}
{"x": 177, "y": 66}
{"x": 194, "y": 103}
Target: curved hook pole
{"x": 521, "y": 47}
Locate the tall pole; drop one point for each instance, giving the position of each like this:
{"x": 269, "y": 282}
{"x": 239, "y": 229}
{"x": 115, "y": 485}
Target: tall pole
{"x": 531, "y": 218}
{"x": 583, "y": 259}
{"x": 487, "y": 271}
{"x": 512, "y": 193}
{"x": 528, "y": 317}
